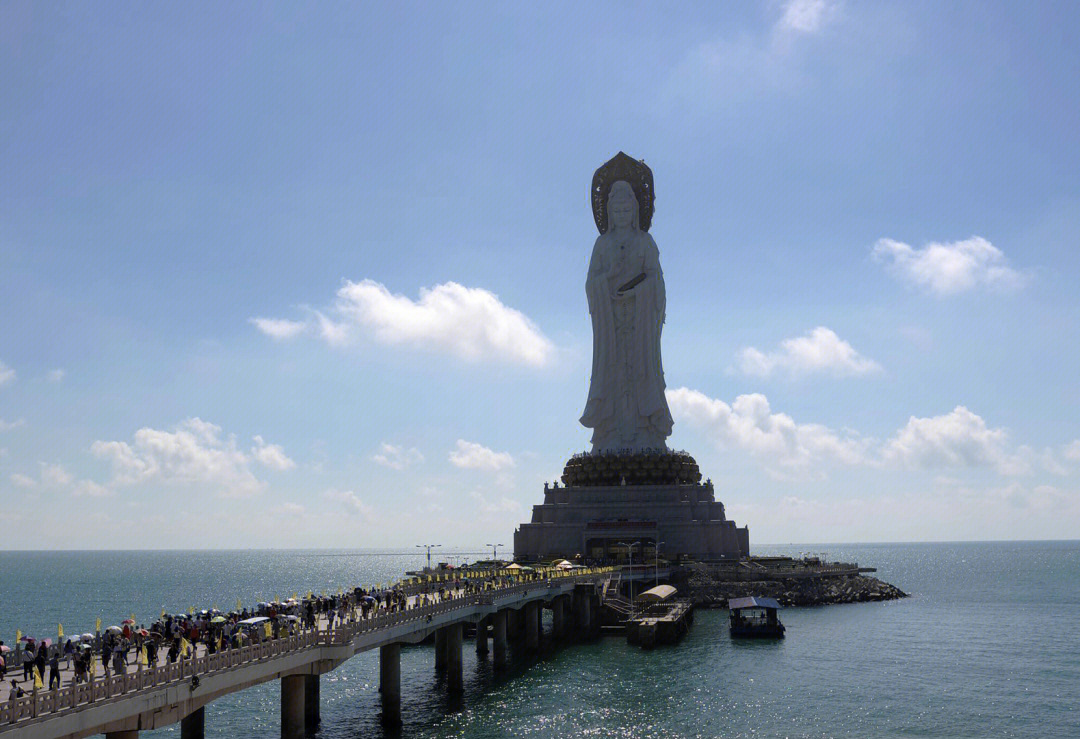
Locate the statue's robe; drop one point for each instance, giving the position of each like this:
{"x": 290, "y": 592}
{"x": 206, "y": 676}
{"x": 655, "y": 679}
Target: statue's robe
{"x": 646, "y": 373}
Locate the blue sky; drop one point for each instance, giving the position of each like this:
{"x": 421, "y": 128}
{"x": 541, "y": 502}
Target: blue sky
{"x": 315, "y": 277}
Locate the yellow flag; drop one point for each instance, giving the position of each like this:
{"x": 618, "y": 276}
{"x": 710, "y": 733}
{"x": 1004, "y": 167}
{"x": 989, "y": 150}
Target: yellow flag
{"x": 191, "y": 610}
{"x": 92, "y": 667}
{"x": 18, "y": 635}
{"x": 185, "y": 645}
{"x": 239, "y": 606}
{"x": 142, "y": 656}
{"x": 59, "y": 632}
{"x": 97, "y": 624}
{"x": 162, "y": 612}
{"x": 38, "y": 685}
{"x": 266, "y": 629}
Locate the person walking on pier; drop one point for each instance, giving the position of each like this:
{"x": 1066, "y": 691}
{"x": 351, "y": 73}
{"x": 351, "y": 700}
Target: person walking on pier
{"x": 28, "y": 663}
{"x": 54, "y": 672}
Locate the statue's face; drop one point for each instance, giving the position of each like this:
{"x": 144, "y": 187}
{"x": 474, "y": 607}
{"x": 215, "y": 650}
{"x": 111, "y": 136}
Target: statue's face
{"x": 621, "y": 212}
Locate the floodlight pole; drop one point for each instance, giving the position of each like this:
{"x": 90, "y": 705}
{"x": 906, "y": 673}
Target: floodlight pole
{"x": 630, "y": 557}
{"x": 494, "y": 550}
{"x": 656, "y": 561}
{"x": 429, "y": 547}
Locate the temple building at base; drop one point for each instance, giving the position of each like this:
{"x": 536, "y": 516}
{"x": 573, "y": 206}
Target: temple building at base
{"x": 597, "y": 514}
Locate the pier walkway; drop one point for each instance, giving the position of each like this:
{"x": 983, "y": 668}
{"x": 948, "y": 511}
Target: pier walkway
{"x": 119, "y": 706}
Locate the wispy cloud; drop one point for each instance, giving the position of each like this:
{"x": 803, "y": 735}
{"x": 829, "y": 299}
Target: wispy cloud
{"x": 9, "y": 425}
{"x": 271, "y": 455}
{"x": 397, "y": 457}
{"x": 820, "y": 351}
{"x": 466, "y": 322}
{"x": 950, "y": 268}
{"x": 279, "y": 328}
{"x": 6, "y": 374}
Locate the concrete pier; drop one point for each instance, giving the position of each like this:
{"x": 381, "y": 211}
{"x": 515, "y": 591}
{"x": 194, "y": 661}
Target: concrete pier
{"x": 292, "y": 707}
{"x": 532, "y": 626}
{"x": 498, "y": 638}
{"x": 558, "y": 618}
{"x": 454, "y": 678}
{"x": 193, "y": 726}
{"x": 482, "y": 637}
{"x": 390, "y": 683}
{"x": 440, "y": 650}
{"x": 312, "y": 715}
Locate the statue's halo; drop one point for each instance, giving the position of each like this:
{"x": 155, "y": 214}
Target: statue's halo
{"x": 633, "y": 171}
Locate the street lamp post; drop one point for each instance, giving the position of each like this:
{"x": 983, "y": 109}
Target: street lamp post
{"x": 429, "y": 547}
{"x": 494, "y": 550}
{"x": 656, "y": 562}
{"x": 630, "y": 557}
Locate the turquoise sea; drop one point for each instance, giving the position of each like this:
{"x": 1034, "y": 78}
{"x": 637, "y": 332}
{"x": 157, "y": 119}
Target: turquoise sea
{"x": 986, "y": 646}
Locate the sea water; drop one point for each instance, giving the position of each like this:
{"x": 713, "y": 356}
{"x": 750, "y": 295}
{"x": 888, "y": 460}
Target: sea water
{"x": 986, "y": 646}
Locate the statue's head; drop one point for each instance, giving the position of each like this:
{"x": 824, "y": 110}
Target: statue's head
{"x": 622, "y": 206}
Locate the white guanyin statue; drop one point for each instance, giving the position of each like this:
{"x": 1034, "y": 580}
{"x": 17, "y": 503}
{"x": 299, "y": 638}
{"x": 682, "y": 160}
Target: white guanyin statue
{"x": 626, "y": 409}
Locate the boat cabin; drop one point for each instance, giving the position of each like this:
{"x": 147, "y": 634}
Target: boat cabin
{"x": 755, "y": 617}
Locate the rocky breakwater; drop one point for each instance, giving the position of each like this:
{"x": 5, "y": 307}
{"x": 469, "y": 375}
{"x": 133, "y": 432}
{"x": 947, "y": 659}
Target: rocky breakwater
{"x": 708, "y": 590}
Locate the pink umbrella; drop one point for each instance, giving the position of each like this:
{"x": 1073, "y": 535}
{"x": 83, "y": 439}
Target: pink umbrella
{"x": 128, "y": 621}
{"x": 4, "y": 648}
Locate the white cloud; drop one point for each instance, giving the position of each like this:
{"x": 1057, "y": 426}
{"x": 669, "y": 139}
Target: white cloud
{"x": 469, "y": 323}
{"x": 1072, "y": 451}
{"x": 350, "y": 501}
{"x": 397, "y": 457}
{"x": 9, "y": 425}
{"x": 90, "y": 488}
{"x": 821, "y": 350}
{"x": 957, "y": 439}
{"x": 288, "y": 509}
{"x": 271, "y": 455}
{"x": 950, "y": 268}
{"x": 55, "y": 375}
{"x": 473, "y": 456}
{"x": 23, "y": 481}
{"x": 750, "y": 424}
{"x": 279, "y": 328}
{"x": 193, "y": 453}
{"x": 806, "y": 16}
{"x": 494, "y": 506}
{"x": 6, "y": 374}
{"x": 55, "y": 475}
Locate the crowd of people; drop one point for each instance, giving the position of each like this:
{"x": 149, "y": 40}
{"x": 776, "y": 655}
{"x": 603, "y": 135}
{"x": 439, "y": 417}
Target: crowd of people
{"x": 176, "y": 637}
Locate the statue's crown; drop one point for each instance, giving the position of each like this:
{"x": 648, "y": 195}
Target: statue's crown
{"x": 633, "y": 171}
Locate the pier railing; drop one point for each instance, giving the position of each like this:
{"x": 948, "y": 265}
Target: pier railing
{"x": 39, "y": 703}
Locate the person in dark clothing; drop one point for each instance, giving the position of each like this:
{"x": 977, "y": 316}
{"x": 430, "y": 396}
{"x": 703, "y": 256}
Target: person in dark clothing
{"x": 16, "y": 691}
{"x": 40, "y": 660}
{"x": 54, "y": 672}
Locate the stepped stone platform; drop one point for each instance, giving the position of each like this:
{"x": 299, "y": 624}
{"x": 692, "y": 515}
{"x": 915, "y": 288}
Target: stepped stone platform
{"x": 647, "y": 497}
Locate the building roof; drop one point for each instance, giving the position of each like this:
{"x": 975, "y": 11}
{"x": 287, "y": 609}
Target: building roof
{"x": 752, "y": 602}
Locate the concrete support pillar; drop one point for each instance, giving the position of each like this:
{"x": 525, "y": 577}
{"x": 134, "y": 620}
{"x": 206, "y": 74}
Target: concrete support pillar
{"x": 440, "y": 649}
{"x": 558, "y": 618}
{"x": 498, "y": 637}
{"x": 454, "y": 678}
{"x": 133, "y": 734}
{"x": 193, "y": 726}
{"x": 312, "y": 714}
{"x": 532, "y": 629}
{"x": 390, "y": 683}
{"x": 581, "y": 620}
{"x": 292, "y": 707}
{"x": 482, "y": 636}
{"x": 513, "y": 622}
